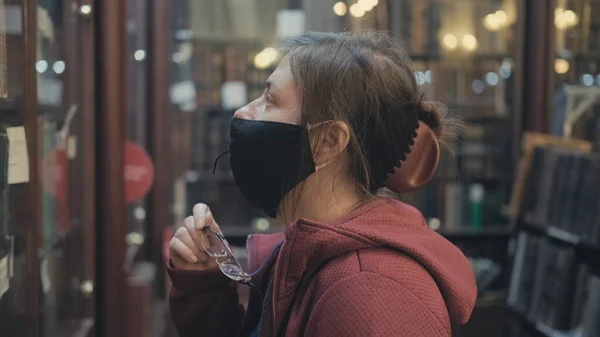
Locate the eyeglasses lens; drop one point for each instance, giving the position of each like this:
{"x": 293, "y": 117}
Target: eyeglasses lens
{"x": 214, "y": 246}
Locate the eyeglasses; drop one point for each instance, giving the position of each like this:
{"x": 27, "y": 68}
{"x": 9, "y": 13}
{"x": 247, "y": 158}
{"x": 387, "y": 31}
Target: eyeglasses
{"x": 216, "y": 246}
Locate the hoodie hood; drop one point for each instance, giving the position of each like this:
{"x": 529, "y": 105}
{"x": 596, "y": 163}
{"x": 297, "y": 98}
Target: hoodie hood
{"x": 383, "y": 223}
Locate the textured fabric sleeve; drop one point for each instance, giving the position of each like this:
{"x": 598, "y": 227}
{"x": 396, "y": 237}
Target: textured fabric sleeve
{"x": 368, "y": 304}
{"x": 204, "y": 303}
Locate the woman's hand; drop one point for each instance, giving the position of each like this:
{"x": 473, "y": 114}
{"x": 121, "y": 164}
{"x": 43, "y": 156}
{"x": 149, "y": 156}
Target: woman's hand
{"x": 186, "y": 247}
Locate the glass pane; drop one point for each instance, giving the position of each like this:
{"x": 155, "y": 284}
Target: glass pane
{"x": 66, "y": 255}
{"x": 16, "y": 224}
{"x": 137, "y": 123}
{"x": 223, "y": 54}
{"x": 576, "y": 67}
{"x": 464, "y": 56}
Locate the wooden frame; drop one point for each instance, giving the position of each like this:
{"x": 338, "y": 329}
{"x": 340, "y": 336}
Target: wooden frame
{"x": 29, "y": 17}
{"x": 3, "y": 54}
{"x": 88, "y": 109}
{"x": 159, "y": 140}
{"x": 110, "y": 213}
{"x": 538, "y": 56}
{"x": 520, "y": 68}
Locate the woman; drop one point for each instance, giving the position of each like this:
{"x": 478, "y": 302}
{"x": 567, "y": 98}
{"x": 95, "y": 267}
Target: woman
{"x": 338, "y": 114}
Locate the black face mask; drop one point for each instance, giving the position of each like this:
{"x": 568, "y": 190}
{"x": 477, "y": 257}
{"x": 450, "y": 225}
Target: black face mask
{"x": 269, "y": 159}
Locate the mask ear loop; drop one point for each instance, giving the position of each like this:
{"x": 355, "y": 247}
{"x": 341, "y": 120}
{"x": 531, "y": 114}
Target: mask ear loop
{"x": 217, "y": 161}
{"x": 420, "y": 164}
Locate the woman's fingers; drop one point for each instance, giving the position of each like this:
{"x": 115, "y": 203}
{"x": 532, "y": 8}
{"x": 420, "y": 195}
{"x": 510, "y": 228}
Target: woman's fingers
{"x": 197, "y": 237}
{"x": 188, "y": 244}
{"x": 199, "y": 213}
{"x": 180, "y": 248}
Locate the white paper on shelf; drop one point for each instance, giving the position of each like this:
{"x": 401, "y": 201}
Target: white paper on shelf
{"x": 4, "y": 280}
{"x": 233, "y": 95}
{"x": 183, "y": 92}
{"x": 13, "y": 20}
{"x": 18, "y": 159}
{"x": 290, "y": 23}
{"x": 50, "y": 91}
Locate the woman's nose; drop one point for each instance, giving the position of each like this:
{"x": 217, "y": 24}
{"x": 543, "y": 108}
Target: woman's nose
{"x": 246, "y": 112}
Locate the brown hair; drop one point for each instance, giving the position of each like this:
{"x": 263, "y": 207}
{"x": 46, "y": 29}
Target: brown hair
{"x": 367, "y": 81}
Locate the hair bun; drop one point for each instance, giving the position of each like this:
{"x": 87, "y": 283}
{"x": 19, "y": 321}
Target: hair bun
{"x": 428, "y": 113}
{"x": 420, "y": 164}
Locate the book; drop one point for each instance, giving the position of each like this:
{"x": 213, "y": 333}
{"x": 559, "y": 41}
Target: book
{"x": 532, "y": 140}
{"x": 524, "y": 272}
{"x": 562, "y": 192}
{"x": 579, "y": 293}
{"x": 590, "y": 323}
{"x": 545, "y": 280}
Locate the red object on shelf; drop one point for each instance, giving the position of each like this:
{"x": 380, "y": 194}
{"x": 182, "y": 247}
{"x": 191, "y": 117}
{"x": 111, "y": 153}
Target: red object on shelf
{"x": 139, "y": 172}
{"x": 54, "y": 174}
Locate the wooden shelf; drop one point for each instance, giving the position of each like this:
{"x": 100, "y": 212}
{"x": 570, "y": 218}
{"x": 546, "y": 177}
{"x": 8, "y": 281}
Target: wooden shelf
{"x": 562, "y": 236}
{"x": 490, "y": 232}
{"x": 540, "y": 328}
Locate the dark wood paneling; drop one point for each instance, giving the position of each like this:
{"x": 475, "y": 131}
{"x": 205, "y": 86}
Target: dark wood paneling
{"x": 538, "y": 59}
{"x": 161, "y": 44}
{"x": 32, "y": 219}
{"x": 110, "y": 128}
{"x": 518, "y": 94}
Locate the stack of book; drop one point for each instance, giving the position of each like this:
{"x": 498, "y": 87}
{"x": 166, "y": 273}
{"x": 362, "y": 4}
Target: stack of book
{"x": 555, "y": 285}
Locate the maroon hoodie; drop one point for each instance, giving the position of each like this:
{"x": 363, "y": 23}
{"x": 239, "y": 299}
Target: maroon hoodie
{"x": 378, "y": 271}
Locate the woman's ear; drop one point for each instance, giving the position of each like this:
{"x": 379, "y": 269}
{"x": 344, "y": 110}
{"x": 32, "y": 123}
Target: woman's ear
{"x": 328, "y": 140}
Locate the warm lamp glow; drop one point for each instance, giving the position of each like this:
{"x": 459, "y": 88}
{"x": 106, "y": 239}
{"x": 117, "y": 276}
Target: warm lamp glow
{"x": 357, "y": 11}
{"x": 564, "y": 19}
{"x": 491, "y": 22}
{"x": 265, "y": 58}
{"x": 340, "y": 9}
{"x": 450, "y": 41}
{"x": 367, "y": 5}
{"x": 502, "y": 17}
{"x": 561, "y": 66}
{"x": 571, "y": 18}
{"x": 496, "y": 21}
{"x": 469, "y": 42}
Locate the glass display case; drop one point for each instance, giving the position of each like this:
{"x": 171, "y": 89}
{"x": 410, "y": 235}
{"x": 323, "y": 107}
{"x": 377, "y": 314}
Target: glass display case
{"x": 47, "y": 237}
{"x": 66, "y": 253}
{"x": 575, "y": 69}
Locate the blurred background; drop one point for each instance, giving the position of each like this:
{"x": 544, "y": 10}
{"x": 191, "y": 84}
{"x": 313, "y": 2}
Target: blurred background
{"x": 112, "y": 113}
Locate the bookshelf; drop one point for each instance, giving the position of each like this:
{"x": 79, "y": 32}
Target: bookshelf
{"x": 555, "y": 282}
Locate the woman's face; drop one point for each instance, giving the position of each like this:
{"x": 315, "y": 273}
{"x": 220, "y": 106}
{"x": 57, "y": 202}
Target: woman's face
{"x": 280, "y": 102}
